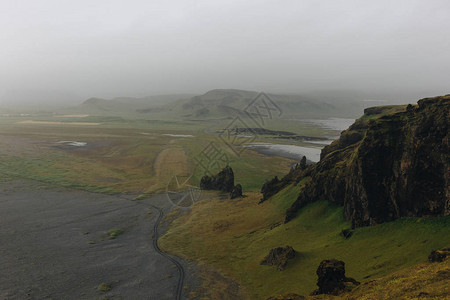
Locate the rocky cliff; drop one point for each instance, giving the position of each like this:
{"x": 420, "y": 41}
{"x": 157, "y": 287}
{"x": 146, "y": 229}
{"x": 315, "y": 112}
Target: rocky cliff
{"x": 392, "y": 162}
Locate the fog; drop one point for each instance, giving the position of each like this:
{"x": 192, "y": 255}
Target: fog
{"x": 70, "y": 50}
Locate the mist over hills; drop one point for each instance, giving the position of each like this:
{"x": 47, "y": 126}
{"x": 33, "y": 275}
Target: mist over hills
{"x": 125, "y": 105}
{"x": 225, "y": 103}
{"x": 36, "y": 98}
{"x": 213, "y": 104}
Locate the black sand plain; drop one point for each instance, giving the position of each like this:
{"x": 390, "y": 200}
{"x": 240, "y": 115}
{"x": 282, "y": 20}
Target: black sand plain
{"x": 54, "y": 244}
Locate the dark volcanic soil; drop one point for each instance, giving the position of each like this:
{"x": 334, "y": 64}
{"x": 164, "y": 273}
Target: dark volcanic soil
{"x": 54, "y": 244}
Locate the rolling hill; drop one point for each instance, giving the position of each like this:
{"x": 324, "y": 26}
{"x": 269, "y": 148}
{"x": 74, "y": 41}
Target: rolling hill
{"x": 223, "y": 104}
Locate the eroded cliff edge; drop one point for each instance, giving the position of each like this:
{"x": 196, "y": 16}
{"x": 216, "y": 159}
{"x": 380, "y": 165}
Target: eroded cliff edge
{"x": 393, "y": 162}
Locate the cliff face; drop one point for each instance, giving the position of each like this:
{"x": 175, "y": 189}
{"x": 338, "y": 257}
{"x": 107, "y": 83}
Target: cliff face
{"x": 393, "y": 162}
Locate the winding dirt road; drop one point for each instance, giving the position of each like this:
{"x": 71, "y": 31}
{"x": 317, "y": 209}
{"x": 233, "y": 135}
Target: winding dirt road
{"x": 180, "y": 268}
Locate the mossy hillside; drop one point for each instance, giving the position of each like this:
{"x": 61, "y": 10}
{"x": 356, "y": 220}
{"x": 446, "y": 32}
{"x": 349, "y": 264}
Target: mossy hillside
{"x": 240, "y": 233}
{"x": 390, "y": 163}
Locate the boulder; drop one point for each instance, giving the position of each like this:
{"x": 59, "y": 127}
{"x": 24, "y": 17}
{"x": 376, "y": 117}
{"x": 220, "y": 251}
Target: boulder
{"x": 331, "y": 278}
{"x": 439, "y": 255}
{"x": 236, "y": 192}
{"x": 279, "y": 257}
{"x": 346, "y": 233}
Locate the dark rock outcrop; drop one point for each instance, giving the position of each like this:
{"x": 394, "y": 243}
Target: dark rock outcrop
{"x": 331, "y": 278}
{"x": 279, "y": 257}
{"x": 302, "y": 164}
{"x": 223, "y": 181}
{"x": 346, "y": 233}
{"x": 270, "y": 188}
{"x": 236, "y": 191}
{"x": 273, "y": 186}
{"x": 393, "y": 162}
{"x": 439, "y": 255}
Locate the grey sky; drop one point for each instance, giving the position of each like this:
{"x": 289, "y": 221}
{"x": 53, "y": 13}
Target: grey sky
{"x": 114, "y": 47}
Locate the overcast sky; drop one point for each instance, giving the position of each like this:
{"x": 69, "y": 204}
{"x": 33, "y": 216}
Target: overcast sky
{"x": 111, "y": 48}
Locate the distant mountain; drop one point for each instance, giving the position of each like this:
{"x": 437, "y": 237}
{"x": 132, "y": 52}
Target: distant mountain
{"x": 228, "y": 103}
{"x": 217, "y": 103}
{"x": 225, "y": 103}
{"x": 126, "y": 105}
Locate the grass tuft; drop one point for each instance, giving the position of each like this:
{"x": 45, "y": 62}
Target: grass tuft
{"x": 113, "y": 233}
{"x": 104, "y": 287}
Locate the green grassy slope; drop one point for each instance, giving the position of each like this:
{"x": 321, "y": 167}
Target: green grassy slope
{"x": 242, "y": 237}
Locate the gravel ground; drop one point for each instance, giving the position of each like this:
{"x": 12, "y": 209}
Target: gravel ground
{"x": 54, "y": 244}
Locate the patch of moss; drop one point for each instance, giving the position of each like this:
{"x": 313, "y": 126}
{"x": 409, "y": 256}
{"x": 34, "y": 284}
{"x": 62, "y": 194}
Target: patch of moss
{"x": 140, "y": 197}
{"x": 113, "y": 233}
{"x": 104, "y": 287}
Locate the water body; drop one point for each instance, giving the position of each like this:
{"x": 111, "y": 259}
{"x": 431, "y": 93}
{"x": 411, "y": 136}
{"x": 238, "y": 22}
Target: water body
{"x": 73, "y": 143}
{"x": 178, "y": 135}
{"x": 288, "y": 151}
{"x": 338, "y": 124}
{"x": 335, "y": 124}
{"x": 322, "y": 143}
{"x": 297, "y": 152}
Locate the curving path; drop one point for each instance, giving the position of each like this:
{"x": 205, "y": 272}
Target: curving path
{"x": 180, "y": 268}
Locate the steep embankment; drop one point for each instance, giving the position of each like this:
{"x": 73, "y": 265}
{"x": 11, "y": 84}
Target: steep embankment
{"x": 233, "y": 237}
{"x": 391, "y": 163}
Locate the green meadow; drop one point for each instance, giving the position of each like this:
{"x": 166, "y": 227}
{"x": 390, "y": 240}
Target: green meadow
{"x": 243, "y": 236}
